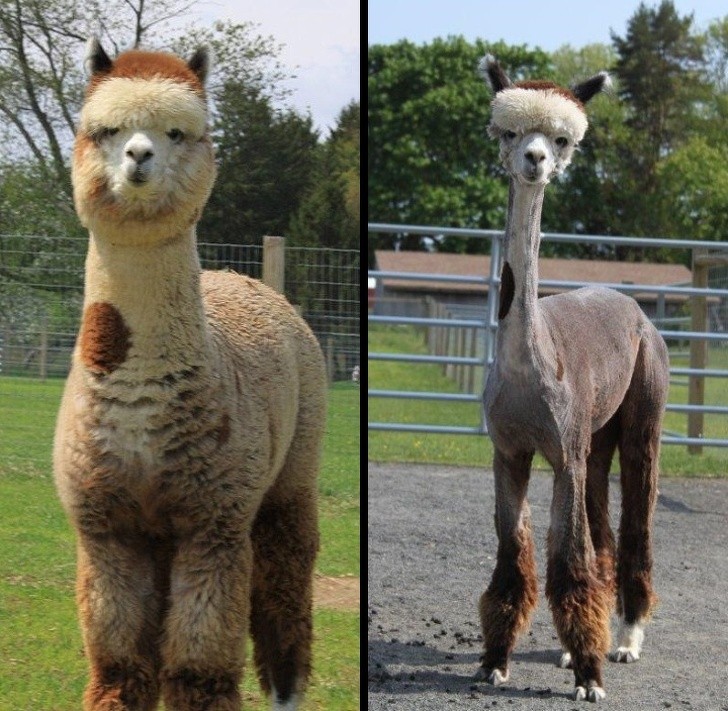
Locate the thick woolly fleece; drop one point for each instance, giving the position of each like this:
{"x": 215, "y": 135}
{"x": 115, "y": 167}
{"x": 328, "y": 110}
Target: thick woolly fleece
{"x": 188, "y": 440}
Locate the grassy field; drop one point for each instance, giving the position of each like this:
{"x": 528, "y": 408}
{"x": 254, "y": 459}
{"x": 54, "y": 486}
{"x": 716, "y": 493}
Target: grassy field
{"x": 477, "y": 451}
{"x": 41, "y": 662}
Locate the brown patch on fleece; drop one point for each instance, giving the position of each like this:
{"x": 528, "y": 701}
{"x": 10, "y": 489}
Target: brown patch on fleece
{"x": 550, "y": 86}
{"x": 104, "y": 338}
{"x": 507, "y": 290}
{"x": 223, "y": 430}
{"x": 138, "y": 64}
{"x": 559, "y": 368}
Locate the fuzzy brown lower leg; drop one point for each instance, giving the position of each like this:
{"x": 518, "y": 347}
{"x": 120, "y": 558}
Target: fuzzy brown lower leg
{"x": 198, "y": 689}
{"x": 507, "y": 603}
{"x": 636, "y": 598}
{"x": 639, "y": 452}
{"x": 603, "y": 445}
{"x": 207, "y": 621}
{"x": 120, "y": 608}
{"x": 580, "y": 599}
{"x": 285, "y": 543}
{"x": 580, "y": 603}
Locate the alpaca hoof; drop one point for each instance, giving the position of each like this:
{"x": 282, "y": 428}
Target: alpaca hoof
{"x": 496, "y": 677}
{"x": 591, "y": 693}
{"x": 565, "y": 661}
{"x": 625, "y": 655}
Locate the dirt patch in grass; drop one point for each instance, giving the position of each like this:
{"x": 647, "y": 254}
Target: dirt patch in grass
{"x": 337, "y": 593}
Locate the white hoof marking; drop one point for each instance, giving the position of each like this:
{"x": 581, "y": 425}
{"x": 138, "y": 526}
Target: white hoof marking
{"x": 493, "y": 676}
{"x": 630, "y": 643}
{"x": 593, "y": 693}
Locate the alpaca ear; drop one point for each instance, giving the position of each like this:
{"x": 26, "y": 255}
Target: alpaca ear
{"x": 592, "y": 86}
{"x": 493, "y": 73}
{"x": 96, "y": 61}
{"x": 199, "y": 63}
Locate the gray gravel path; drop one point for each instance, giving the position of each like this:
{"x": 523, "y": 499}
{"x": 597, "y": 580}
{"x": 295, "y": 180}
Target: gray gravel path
{"x": 431, "y": 552}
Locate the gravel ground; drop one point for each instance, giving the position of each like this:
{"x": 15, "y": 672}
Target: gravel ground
{"x": 431, "y": 552}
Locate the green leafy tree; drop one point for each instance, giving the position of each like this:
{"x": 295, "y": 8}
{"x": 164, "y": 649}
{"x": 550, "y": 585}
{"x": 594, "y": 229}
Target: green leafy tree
{"x": 585, "y": 199}
{"x": 694, "y": 189}
{"x": 431, "y": 161}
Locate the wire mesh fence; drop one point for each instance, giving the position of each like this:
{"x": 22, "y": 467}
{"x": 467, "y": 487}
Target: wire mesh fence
{"x": 41, "y": 294}
{"x": 41, "y": 299}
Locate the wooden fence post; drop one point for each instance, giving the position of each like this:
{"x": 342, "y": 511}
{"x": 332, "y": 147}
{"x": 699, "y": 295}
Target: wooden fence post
{"x": 43, "y": 348}
{"x": 274, "y": 262}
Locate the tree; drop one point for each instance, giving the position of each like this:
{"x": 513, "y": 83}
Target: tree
{"x": 431, "y": 161}
{"x": 329, "y": 214}
{"x": 41, "y": 72}
{"x": 694, "y": 189}
{"x": 660, "y": 67}
{"x": 265, "y": 159}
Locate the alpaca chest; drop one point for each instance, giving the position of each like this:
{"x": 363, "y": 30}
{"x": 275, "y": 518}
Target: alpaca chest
{"x": 153, "y": 426}
{"x": 521, "y": 417}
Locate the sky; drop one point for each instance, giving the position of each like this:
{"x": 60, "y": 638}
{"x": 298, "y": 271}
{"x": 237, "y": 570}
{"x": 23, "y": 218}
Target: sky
{"x": 549, "y": 24}
{"x": 322, "y": 47}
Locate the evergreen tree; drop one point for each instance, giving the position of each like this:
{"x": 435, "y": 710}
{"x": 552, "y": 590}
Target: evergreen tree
{"x": 660, "y": 68}
{"x": 329, "y": 214}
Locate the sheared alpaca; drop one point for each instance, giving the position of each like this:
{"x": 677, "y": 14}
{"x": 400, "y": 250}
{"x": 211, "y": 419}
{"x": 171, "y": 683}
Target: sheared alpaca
{"x": 188, "y": 439}
{"x": 575, "y": 376}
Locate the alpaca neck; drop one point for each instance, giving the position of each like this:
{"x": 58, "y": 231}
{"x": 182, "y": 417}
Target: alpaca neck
{"x": 519, "y": 320}
{"x": 155, "y": 290}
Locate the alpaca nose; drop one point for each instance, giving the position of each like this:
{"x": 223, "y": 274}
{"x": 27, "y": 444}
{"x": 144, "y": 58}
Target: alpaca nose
{"x": 139, "y": 149}
{"x": 535, "y": 156}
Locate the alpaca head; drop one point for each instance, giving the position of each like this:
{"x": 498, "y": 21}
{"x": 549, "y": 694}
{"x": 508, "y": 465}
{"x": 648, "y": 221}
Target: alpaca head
{"x": 538, "y": 123}
{"x": 143, "y": 163}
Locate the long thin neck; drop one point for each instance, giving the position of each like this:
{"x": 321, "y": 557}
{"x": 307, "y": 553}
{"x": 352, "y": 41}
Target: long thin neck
{"x": 523, "y": 237}
{"x": 519, "y": 321}
{"x": 156, "y": 291}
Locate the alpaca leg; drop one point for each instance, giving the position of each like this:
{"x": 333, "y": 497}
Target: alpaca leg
{"x": 119, "y": 604}
{"x": 285, "y": 542}
{"x": 580, "y": 600}
{"x": 639, "y": 454}
{"x": 639, "y": 451}
{"x": 506, "y": 605}
{"x": 603, "y": 444}
{"x": 207, "y": 622}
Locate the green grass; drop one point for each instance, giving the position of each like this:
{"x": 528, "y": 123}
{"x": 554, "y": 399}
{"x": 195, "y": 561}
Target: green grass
{"x": 468, "y": 450}
{"x": 41, "y": 660}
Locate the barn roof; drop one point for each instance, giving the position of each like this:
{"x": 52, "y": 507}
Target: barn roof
{"x": 550, "y": 269}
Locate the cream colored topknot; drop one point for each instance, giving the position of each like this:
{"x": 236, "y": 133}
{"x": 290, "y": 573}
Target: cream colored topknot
{"x": 537, "y": 110}
{"x": 132, "y": 102}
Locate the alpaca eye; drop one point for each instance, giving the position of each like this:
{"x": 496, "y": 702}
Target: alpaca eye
{"x": 103, "y": 133}
{"x": 562, "y": 141}
{"x": 175, "y": 135}
{"x": 509, "y": 135}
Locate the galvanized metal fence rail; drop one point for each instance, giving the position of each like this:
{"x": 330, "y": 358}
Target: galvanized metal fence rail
{"x": 704, "y": 254}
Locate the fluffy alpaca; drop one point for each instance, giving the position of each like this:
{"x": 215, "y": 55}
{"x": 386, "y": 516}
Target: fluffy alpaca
{"x": 188, "y": 439}
{"x": 575, "y": 376}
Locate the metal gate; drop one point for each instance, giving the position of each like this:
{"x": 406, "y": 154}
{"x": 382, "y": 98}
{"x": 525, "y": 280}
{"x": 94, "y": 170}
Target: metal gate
{"x": 704, "y": 254}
